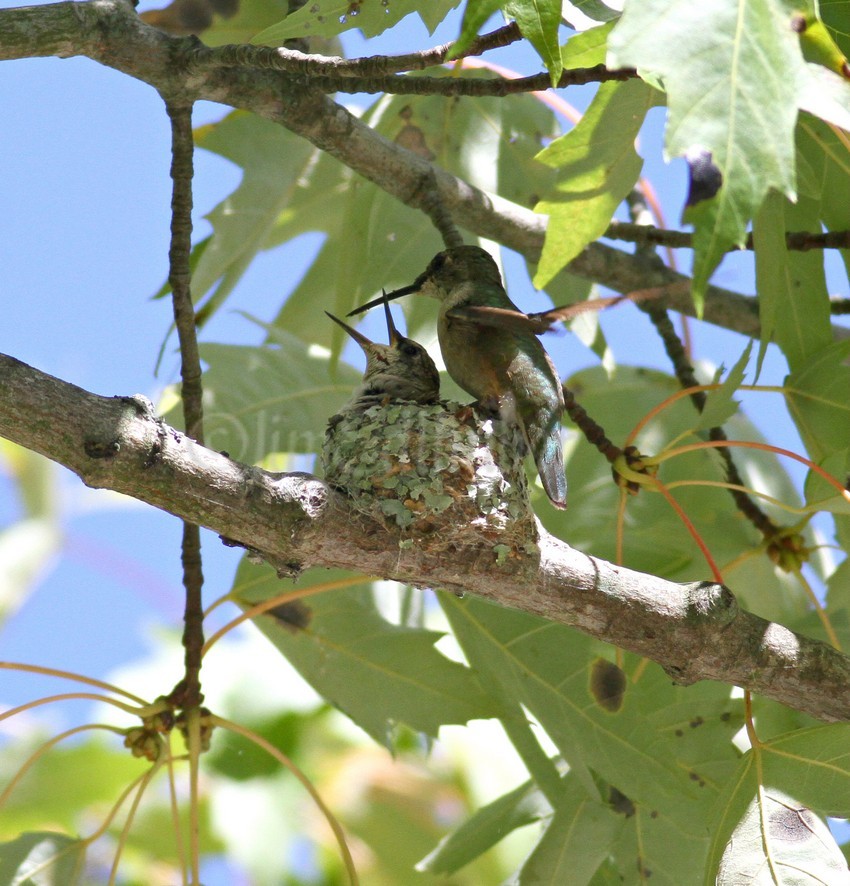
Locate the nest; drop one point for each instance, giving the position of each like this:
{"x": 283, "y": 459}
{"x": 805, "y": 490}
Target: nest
{"x": 433, "y": 469}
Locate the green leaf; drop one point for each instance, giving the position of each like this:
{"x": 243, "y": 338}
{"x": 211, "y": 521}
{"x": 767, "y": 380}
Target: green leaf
{"x": 791, "y": 283}
{"x": 766, "y": 801}
{"x": 577, "y": 12}
{"x": 576, "y": 841}
{"x": 587, "y": 49}
{"x": 834, "y": 16}
{"x": 659, "y": 760}
{"x": 378, "y": 673}
{"x": 779, "y": 841}
{"x": 838, "y": 590}
{"x": 152, "y": 839}
{"x": 91, "y": 772}
{"x": 814, "y": 765}
{"x": 667, "y": 844}
{"x": 539, "y": 21}
{"x": 731, "y": 72}
{"x": 822, "y": 495}
{"x": 238, "y": 758}
{"x": 719, "y": 405}
{"x": 252, "y": 16}
{"x": 27, "y": 547}
{"x": 327, "y": 18}
{"x": 490, "y": 824}
{"x": 274, "y": 398}
{"x": 277, "y": 166}
{"x": 475, "y": 14}
{"x": 818, "y": 398}
{"x": 546, "y": 667}
{"x": 597, "y": 167}
{"x": 41, "y": 858}
{"x": 822, "y": 152}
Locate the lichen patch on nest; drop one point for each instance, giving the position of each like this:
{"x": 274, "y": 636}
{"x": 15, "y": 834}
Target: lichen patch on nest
{"x": 430, "y": 468}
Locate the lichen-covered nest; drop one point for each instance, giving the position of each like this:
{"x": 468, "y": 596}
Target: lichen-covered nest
{"x": 433, "y": 468}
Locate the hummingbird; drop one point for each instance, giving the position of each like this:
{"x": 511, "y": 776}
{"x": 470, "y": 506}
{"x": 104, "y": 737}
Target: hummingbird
{"x": 491, "y": 350}
{"x": 401, "y": 370}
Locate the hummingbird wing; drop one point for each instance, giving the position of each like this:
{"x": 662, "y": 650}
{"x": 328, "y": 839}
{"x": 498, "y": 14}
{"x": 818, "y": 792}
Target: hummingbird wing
{"x": 541, "y": 321}
{"x": 499, "y": 318}
{"x": 568, "y": 312}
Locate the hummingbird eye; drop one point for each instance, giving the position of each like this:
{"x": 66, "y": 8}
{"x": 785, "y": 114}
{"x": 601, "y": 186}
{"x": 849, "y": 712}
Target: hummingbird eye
{"x": 408, "y": 349}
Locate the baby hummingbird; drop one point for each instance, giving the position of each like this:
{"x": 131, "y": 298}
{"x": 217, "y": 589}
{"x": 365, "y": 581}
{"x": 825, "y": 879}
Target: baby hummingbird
{"x": 401, "y": 370}
{"x": 493, "y": 354}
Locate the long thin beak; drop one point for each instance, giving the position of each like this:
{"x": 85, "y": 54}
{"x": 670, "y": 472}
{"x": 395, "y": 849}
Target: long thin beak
{"x": 397, "y": 293}
{"x": 357, "y": 336}
{"x": 394, "y": 336}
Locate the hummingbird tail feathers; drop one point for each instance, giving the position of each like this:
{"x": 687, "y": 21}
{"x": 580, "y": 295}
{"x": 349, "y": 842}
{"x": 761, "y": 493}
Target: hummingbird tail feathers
{"x": 549, "y": 457}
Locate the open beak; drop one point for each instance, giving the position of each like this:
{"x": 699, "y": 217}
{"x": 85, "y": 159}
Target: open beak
{"x": 394, "y": 336}
{"x": 361, "y": 339}
{"x": 386, "y": 297}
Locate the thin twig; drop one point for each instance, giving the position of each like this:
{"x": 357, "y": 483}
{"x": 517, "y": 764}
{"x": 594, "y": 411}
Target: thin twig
{"x": 452, "y": 86}
{"x": 801, "y": 241}
{"x": 311, "y": 64}
{"x": 187, "y": 693}
{"x": 593, "y": 432}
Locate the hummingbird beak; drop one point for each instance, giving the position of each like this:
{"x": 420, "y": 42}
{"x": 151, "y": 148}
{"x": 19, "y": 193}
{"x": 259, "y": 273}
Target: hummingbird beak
{"x": 372, "y": 350}
{"x": 387, "y": 296}
{"x": 361, "y": 339}
{"x": 394, "y": 335}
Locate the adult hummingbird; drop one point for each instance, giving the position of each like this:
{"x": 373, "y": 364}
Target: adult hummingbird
{"x": 490, "y": 350}
{"x": 401, "y": 370}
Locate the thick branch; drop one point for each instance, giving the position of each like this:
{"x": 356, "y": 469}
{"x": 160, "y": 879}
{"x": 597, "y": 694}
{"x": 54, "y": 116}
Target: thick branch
{"x": 108, "y": 31}
{"x": 695, "y": 631}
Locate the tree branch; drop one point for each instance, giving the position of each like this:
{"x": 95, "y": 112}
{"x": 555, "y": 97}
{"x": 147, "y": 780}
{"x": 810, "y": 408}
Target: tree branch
{"x": 187, "y": 694}
{"x": 694, "y": 631}
{"x": 109, "y": 32}
{"x": 291, "y": 60}
{"x": 800, "y": 241}
{"x": 492, "y": 86}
